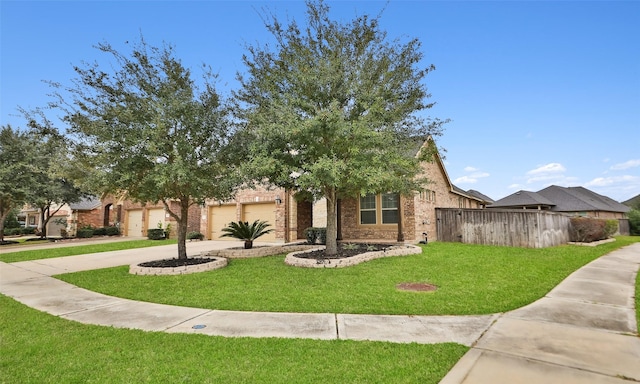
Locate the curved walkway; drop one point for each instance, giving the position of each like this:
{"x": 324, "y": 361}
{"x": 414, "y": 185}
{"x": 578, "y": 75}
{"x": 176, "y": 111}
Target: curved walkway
{"x": 584, "y": 330}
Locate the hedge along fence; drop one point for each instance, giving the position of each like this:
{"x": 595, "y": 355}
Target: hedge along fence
{"x": 587, "y": 230}
{"x": 515, "y": 228}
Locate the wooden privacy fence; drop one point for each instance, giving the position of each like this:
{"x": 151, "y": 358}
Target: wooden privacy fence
{"x": 516, "y": 228}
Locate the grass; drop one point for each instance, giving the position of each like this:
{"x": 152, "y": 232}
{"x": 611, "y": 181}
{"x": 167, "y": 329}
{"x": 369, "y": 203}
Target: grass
{"x": 40, "y": 348}
{"x": 472, "y": 279}
{"x": 47, "y": 253}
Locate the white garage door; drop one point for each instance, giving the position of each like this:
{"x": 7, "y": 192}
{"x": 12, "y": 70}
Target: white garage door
{"x": 220, "y": 217}
{"x": 263, "y": 212}
{"x": 155, "y": 216}
{"x": 134, "y": 223}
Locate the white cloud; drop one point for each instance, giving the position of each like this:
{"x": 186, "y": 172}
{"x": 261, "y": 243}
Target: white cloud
{"x": 607, "y": 181}
{"x": 515, "y": 186}
{"x": 547, "y": 168}
{"x": 472, "y": 177}
{"x": 626, "y": 165}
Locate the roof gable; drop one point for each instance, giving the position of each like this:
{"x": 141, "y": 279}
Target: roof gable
{"x": 522, "y": 199}
{"x": 580, "y": 199}
{"x": 86, "y": 204}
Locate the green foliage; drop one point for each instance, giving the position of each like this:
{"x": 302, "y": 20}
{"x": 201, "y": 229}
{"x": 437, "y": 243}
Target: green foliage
{"x": 112, "y": 231}
{"x": 143, "y": 125}
{"x": 313, "y": 234}
{"x": 610, "y": 228}
{"x": 86, "y": 231}
{"x": 28, "y": 230}
{"x": 102, "y": 231}
{"x": 242, "y": 230}
{"x": 332, "y": 110}
{"x": 155, "y": 234}
{"x": 587, "y": 229}
{"x": 194, "y": 235}
{"x": 634, "y": 221}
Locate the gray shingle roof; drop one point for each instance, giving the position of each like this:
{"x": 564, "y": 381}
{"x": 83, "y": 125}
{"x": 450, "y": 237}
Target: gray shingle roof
{"x": 580, "y": 199}
{"x": 479, "y": 195}
{"x": 522, "y": 199}
{"x": 86, "y": 204}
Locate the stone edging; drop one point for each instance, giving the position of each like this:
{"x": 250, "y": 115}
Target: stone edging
{"x": 593, "y": 243}
{"x": 397, "y": 250}
{"x": 256, "y": 252}
{"x": 215, "y": 263}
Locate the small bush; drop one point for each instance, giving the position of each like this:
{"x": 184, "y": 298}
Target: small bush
{"x": 587, "y": 230}
{"x": 314, "y": 234}
{"x": 63, "y": 233}
{"x": 310, "y": 235}
{"x": 610, "y": 228}
{"x": 100, "y": 231}
{"x": 13, "y": 231}
{"x": 85, "y": 232}
{"x": 634, "y": 221}
{"x": 195, "y": 236}
{"x": 112, "y": 231}
{"x": 28, "y": 230}
{"x": 155, "y": 234}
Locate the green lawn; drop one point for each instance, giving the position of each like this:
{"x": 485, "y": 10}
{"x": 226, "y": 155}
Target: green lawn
{"x": 47, "y": 253}
{"x": 472, "y": 279}
{"x": 40, "y": 348}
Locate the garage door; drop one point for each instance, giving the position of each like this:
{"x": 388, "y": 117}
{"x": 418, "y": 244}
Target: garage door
{"x": 263, "y": 212}
{"x": 220, "y": 217}
{"x": 55, "y": 224}
{"x": 155, "y": 216}
{"x": 134, "y": 223}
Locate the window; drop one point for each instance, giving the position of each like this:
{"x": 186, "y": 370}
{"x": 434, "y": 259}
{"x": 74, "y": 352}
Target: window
{"x": 368, "y": 209}
{"x": 390, "y": 208}
{"x": 379, "y": 209}
{"x": 428, "y": 195}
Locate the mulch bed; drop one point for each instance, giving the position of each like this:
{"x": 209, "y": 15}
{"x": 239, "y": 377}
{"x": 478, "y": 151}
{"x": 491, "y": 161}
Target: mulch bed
{"x": 172, "y": 263}
{"x": 344, "y": 251}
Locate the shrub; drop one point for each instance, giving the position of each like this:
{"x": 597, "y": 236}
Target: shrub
{"x": 587, "y": 230}
{"x": 610, "y": 228}
{"x": 113, "y": 231}
{"x": 195, "y": 236}
{"x": 63, "y": 233}
{"x": 13, "y": 231}
{"x": 634, "y": 221}
{"x": 100, "y": 231}
{"x": 314, "y": 234}
{"x": 311, "y": 235}
{"x": 243, "y": 231}
{"x": 28, "y": 230}
{"x": 85, "y": 232}
{"x": 155, "y": 234}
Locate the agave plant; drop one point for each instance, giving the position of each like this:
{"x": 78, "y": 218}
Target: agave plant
{"x": 243, "y": 231}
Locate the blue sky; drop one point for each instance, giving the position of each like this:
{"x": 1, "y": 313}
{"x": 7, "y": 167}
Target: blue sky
{"x": 539, "y": 93}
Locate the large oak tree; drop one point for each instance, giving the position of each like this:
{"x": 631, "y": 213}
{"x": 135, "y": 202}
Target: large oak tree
{"x": 333, "y": 109}
{"x": 142, "y": 125}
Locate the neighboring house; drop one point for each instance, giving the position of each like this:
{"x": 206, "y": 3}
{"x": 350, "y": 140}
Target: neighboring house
{"x": 572, "y": 201}
{"x": 86, "y": 212}
{"x": 56, "y": 223}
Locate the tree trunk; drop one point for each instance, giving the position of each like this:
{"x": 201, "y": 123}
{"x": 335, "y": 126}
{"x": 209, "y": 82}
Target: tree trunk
{"x": 400, "y": 220}
{"x": 332, "y": 222}
{"x": 43, "y": 222}
{"x": 182, "y": 229}
{"x": 248, "y": 244}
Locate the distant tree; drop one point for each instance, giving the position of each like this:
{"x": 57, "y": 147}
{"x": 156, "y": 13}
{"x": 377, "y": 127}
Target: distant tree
{"x": 332, "y": 109}
{"x": 634, "y": 221}
{"x": 52, "y": 186}
{"x": 16, "y": 172}
{"x": 142, "y": 125}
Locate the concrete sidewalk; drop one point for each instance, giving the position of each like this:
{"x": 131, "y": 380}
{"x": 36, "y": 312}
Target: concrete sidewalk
{"x": 583, "y": 331}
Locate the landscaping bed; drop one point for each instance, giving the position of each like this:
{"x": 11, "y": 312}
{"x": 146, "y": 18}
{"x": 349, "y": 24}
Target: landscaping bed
{"x": 348, "y": 255}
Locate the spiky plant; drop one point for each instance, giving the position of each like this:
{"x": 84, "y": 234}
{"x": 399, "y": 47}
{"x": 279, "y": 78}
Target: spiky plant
{"x": 241, "y": 230}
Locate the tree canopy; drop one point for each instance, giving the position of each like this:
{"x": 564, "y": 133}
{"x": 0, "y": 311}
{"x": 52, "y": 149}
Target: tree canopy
{"x": 143, "y": 126}
{"x": 332, "y": 109}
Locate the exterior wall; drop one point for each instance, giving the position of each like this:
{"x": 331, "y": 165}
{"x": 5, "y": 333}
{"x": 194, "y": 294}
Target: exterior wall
{"x": 320, "y": 213}
{"x": 284, "y": 223}
{"x": 193, "y": 219}
{"x": 351, "y": 229}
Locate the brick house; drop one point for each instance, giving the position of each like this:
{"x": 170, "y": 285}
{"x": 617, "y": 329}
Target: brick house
{"x": 375, "y": 217}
